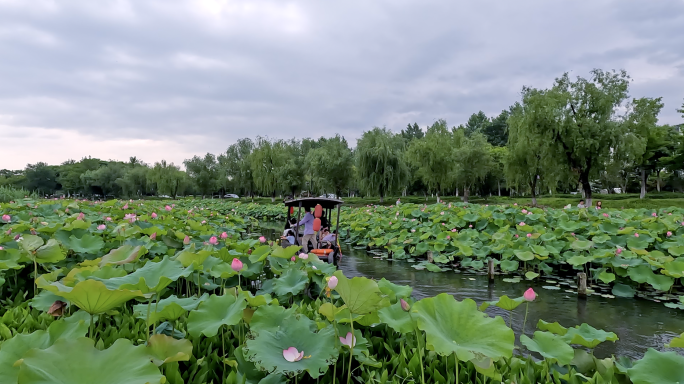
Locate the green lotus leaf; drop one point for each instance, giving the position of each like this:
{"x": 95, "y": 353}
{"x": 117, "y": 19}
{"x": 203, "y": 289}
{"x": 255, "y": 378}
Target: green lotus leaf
{"x": 394, "y": 291}
{"x": 550, "y": 346}
{"x": 637, "y": 243}
{"x": 91, "y": 244}
{"x": 170, "y": 308}
{"x": 319, "y": 348}
{"x": 44, "y": 300}
{"x": 93, "y": 296}
{"x": 531, "y": 275}
{"x": 123, "y": 255}
{"x": 509, "y": 265}
{"x": 588, "y": 336}
{"x": 31, "y": 242}
{"x": 285, "y": 253}
{"x": 166, "y": 349}
{"x": 215, "y": 312}
{"x": 360, "y": 294}
{"x": 504, "y": 302}
{"x": 152, "y": 277}
{"x": 641, "y": 273}
{"x": 606, "y": 277}
{"x": 14, "y": 349}
{"x": 676, "y": 251}
{"x": 581, "y": 245}
{"x": 258, "y": 300}
{"x": 458, "y": 327}
{"x": 270, "y": 317}
{"x": 579, "y": 260}
{"x": 292, "y": 282}
{"x": 79, "y": 362}
{"x": 396, "y": 318}
{"x": 677, "y": 342}
{"x": 524, "y": 255}
{"x": 658, "y": 367}
{"x": 9, "y": 259}
{"x": 622, "y": 290}
{"x": 260, "y": 253}
{"x": 600, "y": 239}
{"x": 674, "y": 268}
{"x": 661, "y": 282}
{"x": 51, "y": 252}
{"x": 190, "y": 256}
{"x": 554, "y": 328}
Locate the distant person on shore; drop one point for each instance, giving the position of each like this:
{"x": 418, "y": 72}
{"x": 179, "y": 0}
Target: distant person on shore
{"x": 598, "y": 205}
{"x": 398, "y": 202}
{"x": 581, "y": 204}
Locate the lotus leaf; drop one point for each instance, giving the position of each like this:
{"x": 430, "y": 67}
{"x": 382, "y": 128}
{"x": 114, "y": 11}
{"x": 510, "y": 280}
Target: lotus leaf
{"x": 266, "y": 349}
{"x": 270, "y": 317}
{"x": 79, "y": 362}
{"x": 93, "y": 296}
{"x": 524, "y": 255}
{"x": 394, "y": 291}
{"x": 676, "y": 251}
{"x": 531, "y": 275}
{"x": 292, "y": 282}
{"x": 677, "y": 342}
{"x": 458, "y": 327}
{"x": 396, "y": 318}
{"x": 360, "y": 294}
{"x": 658, "y": 367}
{"x": 152, "y": 277}
{"x": 86, "y": 244}
{"x": 15, "y": 348}
{"x": 550, "y": 346}
{"x": 170, "y": 308}
{"x": 165, "y": 349}
{"x": 552, "y": 327}
{"x": 123, "y": 255}
{"x": 285, "y": 253}
{"x": 509, "y": 265}
{"x": 215, "y": 312}
{"x": 31, "y": 242}
{"x": 588, "y": 336}
{"x": 622, "y": 290}
{"x": 504, "y": 302}
{"x": 606, "y": 277}
{"x": 190, "y": 256}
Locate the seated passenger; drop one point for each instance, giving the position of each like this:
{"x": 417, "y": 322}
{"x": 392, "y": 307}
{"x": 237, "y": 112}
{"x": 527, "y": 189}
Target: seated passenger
{"x": 287, "y": 238}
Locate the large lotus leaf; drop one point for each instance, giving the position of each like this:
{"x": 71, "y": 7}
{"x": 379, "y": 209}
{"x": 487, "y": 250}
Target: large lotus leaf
{"x": 93, "y": 296}
{"x": 86, "y": 244}
{"x": 552, "y": 327}
{"x": 123, "y": 255}
{"x": 396, "y": 318}
{"x": 606, "y": 277}
{"x": 166, "y": 349}
{"x": 588, "y": 336}
{"x": 623, "y": 290}
{"x": 51, "y": 252}
{"x": 79, "y": 362}
{"x": 270, "y": 317}
{"x": 674, "y": 268}
{"x": 641, "y": 273}
{"x": 152, "y": 277}
{"x": 677, "y": 342}
{"x": 504, "y": 302}
{"x": 266, "y": 349}
{"x": 458, "y": 327}
{"x": 579, "y": 260}
{"x": 170, "y": 308}
{"x": 676, "y": 251}
{"x": 285, "y": 253}
{"x": 31, "y": 242}
{"x": 44, "y": 300}
{"x": 14, "y": 349}
{"x": 509, "y": 265}
{"x": 215, "y": 312}
{"x": 550, "y": 346}
{"x": 524, "y": 255}
{"x": 9, "y": 259}
{"x": 360, "y": 294}
{"x": 292, "y": 282}
{"x": 190, "y": 256}
{"x": 394, "y": 291}
{"x": 658, "y": 368}
{"x": 342, "y": 315}
{"x": 637, "y": 243}
{"x": 581, "y": 245}
{"x": 661, "y": 282}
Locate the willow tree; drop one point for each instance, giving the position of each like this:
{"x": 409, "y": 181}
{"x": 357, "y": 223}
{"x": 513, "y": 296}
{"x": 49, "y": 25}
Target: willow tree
{"x": 380, "y": 162}
{"x": 265, "y": 162}
{"x": 432, "y": 157}
{"x": 473, "y": 162}
{"x": 331, "y": 164}
{"x": 167, "y": 179}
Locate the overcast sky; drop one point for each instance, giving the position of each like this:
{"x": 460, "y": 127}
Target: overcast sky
{"x": 168, "y": 79}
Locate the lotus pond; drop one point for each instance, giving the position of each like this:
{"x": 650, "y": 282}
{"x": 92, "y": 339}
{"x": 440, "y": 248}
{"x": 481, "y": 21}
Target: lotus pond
{"x": 144, "y": 292}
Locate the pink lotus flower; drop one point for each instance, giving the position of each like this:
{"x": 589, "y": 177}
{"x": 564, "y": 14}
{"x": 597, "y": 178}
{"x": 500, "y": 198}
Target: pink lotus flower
{"x": 303, "y": 256}
{"x": 262, "y": 239}
{"x": 125, "y": 206}
{"x": 448, "y": 237}
{"x": 397, "y": 214}
{"x": 190, "y": 211}
{"x": 213, "y": 240}
{"x": 636, "y": 235}
{"x": 516, "y": 236}
{"x": 236, "y": 265}
{"x": 292, "y": 354}
{"x": 224, "y": 235}
{"x": 654, "y": 214}
{"x": 17, "y": 237}
{"x": 470, "y": 226}
{"x": 443, "y": 224}
{"x": 101, "y": 227}
{"x": 349, "y": 341}
{"x": 404, "y": 305}
{"x": 108, "y": 219}
{"x": 9, "y": 231}
{"x": 516, "y": 204}
{"x": 618, "y": 251}
{"x": 524, "y": 211}
{"x": 204, "y": 221}
{"x": 605, "y": 215}
{"x": 390, "y": 223}
{"x": 454, "y": 230}
{"x": 573, "y": 233}
{"x": 529, "y": 295}
{"x": 1, "y": 248}
{"x": 529, "y": 235}
{"x": 413, "y": 230}
{"x": 66, "y": 210}
{"x": 441, "y": 213}
{"x": 332, "y": 282}
{"x": 153, "y": 236}
{"x": 154, "y": 215}
{"x": 293, "y": 258}
{"x": 669, "y": 214}
{"x": 522, "y": 224}
{"x": 168, "y": 208}
{"x": 669, "y": 233}
{"x": 80, "y": 216}
{"x": 6, "y": 218}
{"x": 186, "y": 240}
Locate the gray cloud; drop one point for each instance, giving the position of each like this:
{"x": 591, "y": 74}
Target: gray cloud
{"x": 218, "y": 70}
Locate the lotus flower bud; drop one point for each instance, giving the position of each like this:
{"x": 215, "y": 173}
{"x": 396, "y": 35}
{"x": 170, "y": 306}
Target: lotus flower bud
{"x": 33, "y": 232}
{"x": 522, "y": 224}
{"x": 213, "y": 240}
{"x": 529, "y": 295}
{"x": 404, "y": 305}
{"x": 6, "y": 218}
{"x": 293, "y": 258}
{"x": 101, "y": 227}
{"x": 332, "y": 282}
{"x": 303, "y": 256}
{"x": 236, "y": 265}
{"x": 529, "y": 235}
{"x": 168, "y": 208}
{"x": 618, "y": 251}
{"x": 636, "y": 235}
{"x": 125, "y": 206}
{"x": 80, "y": 216}
{"x": 224, "y": 235}
{"x": 153, "y": 236}
{"x": 262, "y": 239}
{"x": 186, "y": 240}
{"x": 108, "y": 219}
{"x": 154, "y": 215}
{"x": 669, "y": 233}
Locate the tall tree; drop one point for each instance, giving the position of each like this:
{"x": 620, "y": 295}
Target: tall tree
{"x": 497, "y": 172}
{"x": 291, "y": 166}
{"x": 642, "y": 120}
{"x": 265, "y": 162}
{"x": 380, "y": 162}
{"x": 331, "y": 164}
{"x": 474, "y": 161}
{"x": 168, "y": 179}
{"x": 476, "y": 122}
{"x": 41, "y": 178}
{"x": 496, "y": 131}
{"x": 236, "y": 166}
{"x": 412, "y": 132}
{"x": 204, "y": 173}
{"x": 432, "y": 157}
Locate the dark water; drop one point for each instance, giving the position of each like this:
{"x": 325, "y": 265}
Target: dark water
{"x": 640, "y": 324}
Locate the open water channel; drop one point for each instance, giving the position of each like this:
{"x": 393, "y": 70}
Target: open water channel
{"x": 640, "y": 324}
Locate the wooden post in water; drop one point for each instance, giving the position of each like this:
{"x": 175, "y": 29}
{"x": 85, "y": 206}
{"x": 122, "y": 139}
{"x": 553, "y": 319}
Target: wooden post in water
{"x": 429, "y": 256}
{"x": 490, "y": 270}
{"x": 582, "y": 284}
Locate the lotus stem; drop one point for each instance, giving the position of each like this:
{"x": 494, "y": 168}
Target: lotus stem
{"x": 510, "y": 319}
{"x": 90, "y": 331}
{"x": 35, "y": 276}
{"x": 419, "y": 348}
{"x": 456, "y": 361}
{"x": 351, "y": 349}
{"x": 147, "y": 321}
{"x": 527, "y": 306}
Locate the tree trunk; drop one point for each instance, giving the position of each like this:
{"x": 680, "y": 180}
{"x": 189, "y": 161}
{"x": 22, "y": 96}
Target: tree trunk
{"x": 273, "y": 197}
{"x": 658, "y": 180}
{"x": 643, "y": 184}
{"x": 498, "y": 184}
{"x": 465, "y": 194}
{"x": 437, "y": 196}
{"x": 534, "y": 191}
{"x": 456, "y": 192}
{"x": 586, "y": 187}
{"x": 382, "y": 198}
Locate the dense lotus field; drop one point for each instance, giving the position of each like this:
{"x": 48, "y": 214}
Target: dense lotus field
{"x": 144, "y": 292}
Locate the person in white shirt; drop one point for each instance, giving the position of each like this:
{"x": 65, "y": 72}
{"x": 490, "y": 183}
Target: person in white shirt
{"x": 398, "y": 202}
{"x": 581, "y": 204}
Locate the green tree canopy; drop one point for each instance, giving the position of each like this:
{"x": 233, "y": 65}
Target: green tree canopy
{"x": 380, "y": 162}
{"x": 432, "y": 158}
{"x": 331, "y": 164}
{"x": 204, "y": 173}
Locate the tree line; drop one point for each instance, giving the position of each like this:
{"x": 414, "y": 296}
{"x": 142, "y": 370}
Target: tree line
{"x": 581, "y": 134}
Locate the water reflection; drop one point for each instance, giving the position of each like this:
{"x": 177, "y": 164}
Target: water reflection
{"x": 640, "y": 324}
